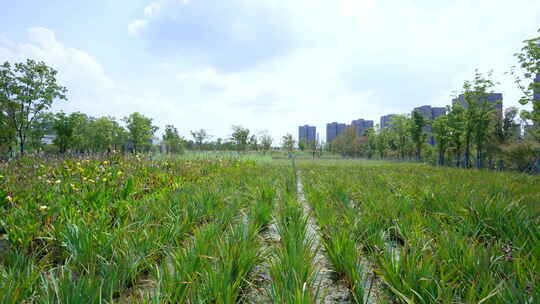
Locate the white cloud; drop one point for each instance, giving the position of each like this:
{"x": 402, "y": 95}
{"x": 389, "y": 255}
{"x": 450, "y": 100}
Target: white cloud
{"x": 152, "y": 9}
{"x": 137, "y": 26}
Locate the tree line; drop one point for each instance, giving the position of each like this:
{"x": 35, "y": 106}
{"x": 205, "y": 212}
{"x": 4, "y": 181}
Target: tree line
{"x": 473, "y": 133}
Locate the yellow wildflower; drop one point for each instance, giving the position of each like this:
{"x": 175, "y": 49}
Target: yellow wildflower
{"x": 57, "y": 181}
{"x": 43, "y": 207}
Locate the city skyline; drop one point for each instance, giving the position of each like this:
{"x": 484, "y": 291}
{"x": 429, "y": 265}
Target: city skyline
{"x": 265, "y": 65}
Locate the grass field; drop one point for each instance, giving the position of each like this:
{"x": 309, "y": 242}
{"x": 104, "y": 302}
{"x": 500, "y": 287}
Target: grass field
{"x": 228, "y": 229}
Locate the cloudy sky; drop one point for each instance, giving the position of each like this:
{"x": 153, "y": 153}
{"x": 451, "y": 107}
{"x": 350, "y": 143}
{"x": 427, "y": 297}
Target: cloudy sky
{"x": 265, "y": 64}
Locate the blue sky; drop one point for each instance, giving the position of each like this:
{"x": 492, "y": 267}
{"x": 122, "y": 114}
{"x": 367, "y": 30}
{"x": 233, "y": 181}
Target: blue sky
{"x": 266, "y": 64}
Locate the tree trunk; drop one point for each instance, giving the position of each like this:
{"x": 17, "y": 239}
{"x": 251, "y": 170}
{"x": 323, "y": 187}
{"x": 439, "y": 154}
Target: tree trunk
{"x": 467, "y": 155}
{"x": 479, "y": 159}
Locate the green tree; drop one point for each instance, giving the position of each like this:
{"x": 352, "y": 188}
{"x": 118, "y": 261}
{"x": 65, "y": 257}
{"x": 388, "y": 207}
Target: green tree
{"x": 26, "y": 90}
{"x": 199, "y": 137}
{"x": 479, "y": 115}
{"x": 442, "y": 133}
{"x": 83, "y": 135}
{"x": 253, "y": 142}
{"x": 418, "y": 135}
{"x": 529, "y": 64}
{"x": 287, "y": 142}
{"x": 266, "y": 141}
{"x": 240, "y": 136}
{"x": 372, "y": 142}
{"x": 140, "y": 130}
{"x": 42, "y": 125}
{"x": 172, "y": 140}
{"x": 7, "y": 136}
{"x": 400, "y": 126}
{"x": 456, "y": 123}
{"x": 383, "y": 144}
{"x": 63, "y": 128}
{"x": 102, "y": 133}
{"x": 302, "y": 144}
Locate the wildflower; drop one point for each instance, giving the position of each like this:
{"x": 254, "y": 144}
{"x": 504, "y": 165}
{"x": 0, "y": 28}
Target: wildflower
{"x": 119, "y": 173}
{"x": 43, "y": 207}
{"x": 78, "y": 163}
{"x": 84, "y": 178}
{"x": 104, "y": 179}
{"x": 9, "y": 198}
{"x": 91, "y": 180}
{"x": 57, "y": 181}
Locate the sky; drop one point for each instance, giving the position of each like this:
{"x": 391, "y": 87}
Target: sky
{"x": 266, "y": 64}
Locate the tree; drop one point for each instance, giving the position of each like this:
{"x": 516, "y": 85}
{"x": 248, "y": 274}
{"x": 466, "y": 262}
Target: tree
{"x": 383, "y": 142}
{"x": 456, "y": 123}
{"x": 400, "y": 126}
{"x": 140, "y": 130}
{"x": 442, "y": 133}
{"x": 529, "y": 63}
{"x": 200, "y": 136}
{"x": 26, "y": 90}
{"x": 103, "y": 132}
{"x": 287, "y": 142}
{"x": 302, "y": 144}
{"x": 7, "y": 136}
{"x": 372, "y": 142}
{"x": 63, "y": 128}
{"x": 253, "y": 142}
{"x": 418, "y": 135}
{"x": 42, "y": 125}
{"x": 240, "y": 137}
{"x": 479, "y": 115}
{"x": 83, "y": 134}
{"x": 172, "y": 140}
{"x": 266, "y": 141}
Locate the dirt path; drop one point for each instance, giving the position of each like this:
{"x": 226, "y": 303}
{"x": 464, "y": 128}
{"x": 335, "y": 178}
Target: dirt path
{"x": 260, "y": 279}
{"x": 330, "y": 290}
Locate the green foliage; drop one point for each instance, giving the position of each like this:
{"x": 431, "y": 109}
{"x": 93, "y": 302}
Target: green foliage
{"x": 529, "y": 64}
{"x": 140, "y": 131}
{"x": 240, "y": 136}
{"x": 418, "y": 136}
{"x": 26, "y": 90}
{"x": 172, "y": 140}
{"x": 287, "y": 142}
{"x": 463, "y": 236}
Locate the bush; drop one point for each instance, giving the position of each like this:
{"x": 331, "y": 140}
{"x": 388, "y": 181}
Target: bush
{"x": 522, "y": 155}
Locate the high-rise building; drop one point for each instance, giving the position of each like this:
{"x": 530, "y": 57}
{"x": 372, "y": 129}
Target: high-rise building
{"x": 385, "y": 120}
{"x": 361, "y": 125}
{"x": 493, "y": 98}
{"x": 307, "y": 133}
{"x": 334, "y": 129}
{"x": 437, "y": 111}
{"x": 430, "y": 113}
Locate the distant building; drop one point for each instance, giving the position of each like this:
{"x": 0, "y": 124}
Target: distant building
{"x": 307, "y": 133}
{"x": 48, "y": 139}
{"x": 430, "y": 113}
{"x": 493, "y": 98}
{"x": 361, "y": 126}
{"x": 385, "y": 120}
{"x": 333, "y": 130}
